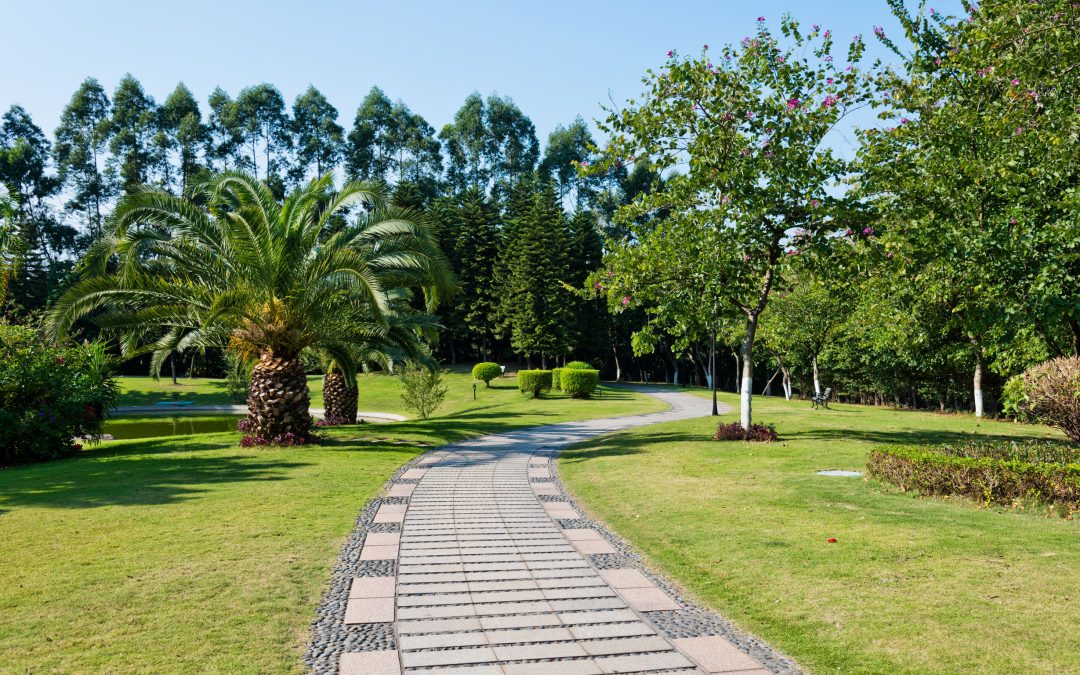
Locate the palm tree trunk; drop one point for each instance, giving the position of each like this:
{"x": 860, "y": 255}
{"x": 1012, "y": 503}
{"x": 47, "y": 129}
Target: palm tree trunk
{"x": 278, "y": 397}
{"x": 339, "y": 399}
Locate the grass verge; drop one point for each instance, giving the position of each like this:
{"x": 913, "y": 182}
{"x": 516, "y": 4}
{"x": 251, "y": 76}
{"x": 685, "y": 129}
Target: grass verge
{"x": 911, "y": 586}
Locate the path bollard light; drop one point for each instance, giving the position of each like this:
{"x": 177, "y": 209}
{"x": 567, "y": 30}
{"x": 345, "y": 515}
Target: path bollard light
{"x": 474, "y": 391}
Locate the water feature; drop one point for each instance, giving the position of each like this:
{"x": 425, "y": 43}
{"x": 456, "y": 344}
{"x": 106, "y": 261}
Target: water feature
{"x": 174, "y": 425}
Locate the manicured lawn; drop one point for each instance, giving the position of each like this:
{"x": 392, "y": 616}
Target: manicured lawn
{"x": 191, "y": 554}
{"x": 912, "y": 585}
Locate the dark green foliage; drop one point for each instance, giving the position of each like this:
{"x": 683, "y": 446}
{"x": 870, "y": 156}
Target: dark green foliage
{"x": 81, "y": 141}
{"x": 390, "y": 142}
{"x": 533, "y": 382}
{"x": 579, "y": 383}
{"x": 470, "y": 236}
{"x": 1049, "y": 393}
{"x": 319, "y": 138}
{"x": 180, "y": 131}
{"x": 486, "y": 371}
{"x": 49, "y": 395}
{"x": 579, "y": 365}
{"x": 264, "y": 126}
{"x": 133, "y": 126}
{"x": 1004, "y": 473}
{"x": 536, "y": 307}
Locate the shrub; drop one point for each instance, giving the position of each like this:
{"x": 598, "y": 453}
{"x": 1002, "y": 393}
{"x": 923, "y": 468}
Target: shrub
{"x": 422, "y": 390}
{"x": 486, "y": 372}
{"x": 579, "y": 365}
{"x": 1050, "y": 393}
{"x": 580, "y": 383}
{"x": 49, "y": 395}
{"x": 556, "y": 374}
{"x": 532, "y": 382}
{"x": 992, "y": 473}
{"x": 761, "y": 433}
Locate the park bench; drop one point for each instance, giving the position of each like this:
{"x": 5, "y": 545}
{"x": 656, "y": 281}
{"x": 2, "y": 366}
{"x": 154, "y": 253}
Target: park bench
{"x": 821, "y": 399}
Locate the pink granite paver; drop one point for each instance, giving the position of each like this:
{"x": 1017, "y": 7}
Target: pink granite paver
{"x": 717, "y": 655}
{"x": 370, "y": 663}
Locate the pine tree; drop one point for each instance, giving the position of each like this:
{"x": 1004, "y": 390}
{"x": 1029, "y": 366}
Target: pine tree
{"x": 592, "y": 322}
{"x": 535, "y": 305}
{"x": 475, "y": 249}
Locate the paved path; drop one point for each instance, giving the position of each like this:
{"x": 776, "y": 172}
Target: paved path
{"x": 488, "y": 582}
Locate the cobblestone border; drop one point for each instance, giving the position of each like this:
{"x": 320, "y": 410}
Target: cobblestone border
{"x": 692, "y": 620}
{"x": 330, "y": 636}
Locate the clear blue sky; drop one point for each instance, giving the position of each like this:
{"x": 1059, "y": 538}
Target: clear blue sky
{"x": 556, "y": 59}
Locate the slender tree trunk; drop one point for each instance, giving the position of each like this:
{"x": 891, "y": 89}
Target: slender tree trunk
{"x": 747, "y": 354}
{"x": 977, "y": 380}
{"x": 712, "y": 371}
{"x": 191, "y": 368}
{"x": 172, "y": 366}
{"x": 618, "y": 370}
{"x": 817, "y": 381}
{"x": 738, "y": 365}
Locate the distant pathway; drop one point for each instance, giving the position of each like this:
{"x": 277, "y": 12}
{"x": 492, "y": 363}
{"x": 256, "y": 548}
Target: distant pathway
{"x": 476, "y": 562}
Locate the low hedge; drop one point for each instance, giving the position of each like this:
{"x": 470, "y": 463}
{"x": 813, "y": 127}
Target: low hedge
{"x": 556, "y": 373}
{"x": 579, "y": 383}
{"x": 579, "y": 365}
{"x": 992, "y": 473}
{"x": 486, "y": 371}
{"x": 533, "y": 382}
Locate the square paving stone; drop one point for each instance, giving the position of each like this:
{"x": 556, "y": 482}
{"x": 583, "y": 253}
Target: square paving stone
{"x": 382, "y": 539}
{"x": 372, "y": 587}
{"x": 632, "y": 645}
{"x": 648, "y": 599}
{"x": 611, "y": 630}
{"x": 717, "y": 655}
{"x": 577, "y": 667}
{"x": 388, "y": 516}
{"x": 413, "y": 474}
{"x": 379, "y": 552}
{"x": 593, "y": 546}
{"x": 370, "y": 663}
{"x": 437, "y": 626}
{"x": 540, "y": 651}
{"x": 402, "y": 490}
{"x": 369, "y": 610}
{"x": 626, "y": 578}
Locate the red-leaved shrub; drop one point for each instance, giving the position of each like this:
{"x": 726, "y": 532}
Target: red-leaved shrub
{"x": 762, "y": 433}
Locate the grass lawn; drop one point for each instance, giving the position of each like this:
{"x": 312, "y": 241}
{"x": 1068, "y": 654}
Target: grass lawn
{"x": 191, "y": 554}
{"x": 911, "y": 586}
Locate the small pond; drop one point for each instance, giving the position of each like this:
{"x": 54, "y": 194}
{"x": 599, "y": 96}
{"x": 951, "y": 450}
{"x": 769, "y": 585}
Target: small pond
{"x": 143, "y": 427}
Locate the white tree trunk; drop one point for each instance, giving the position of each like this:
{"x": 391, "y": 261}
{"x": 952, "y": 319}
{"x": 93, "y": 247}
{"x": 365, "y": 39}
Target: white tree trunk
{"x": 738, "y": 363}
{"x": 978, "y": 388}
{"x": 746, "y": 396}
{"x": 787, "y": 384}
{"x": 817, "y": 382}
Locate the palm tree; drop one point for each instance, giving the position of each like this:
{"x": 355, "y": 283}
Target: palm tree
{"x": 235, "y": 268}
{"x": 399, "y": 338}
{"x": 11, "y": 248}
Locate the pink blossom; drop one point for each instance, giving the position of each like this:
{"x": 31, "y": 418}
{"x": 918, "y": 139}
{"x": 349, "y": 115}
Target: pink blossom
{"x": 749, "y": 115}
{"x": 625, "y": 300}
{"x": 725, "y": 199}
{"x": 598, "y": 286}
{"x": 868, "y": 231}
{"x": 904, "y": 120}
{"x": 1019, "y": 130}
{"x": 761, "y": 18}
{"x": 828, "y": 34}
{"x": 1012, "y": 221}
{"x": 792, "y": 103}
{"x": 879, "y": 31}
{"x": 849, "y": 232}
{"x": 793, "y": 251}
{"x": 706, "y": 47}
{"x": 828, "y": 59}
{"x": 937, "y": 62}
{"x": 779, "y": 59}
{"x": 848, "y": 69}
{"x": 889, "y": 255}
{"x": 670, "y": 53}
{"x": 746, "y": 257}
{"x": 932, "y": 11}
{"x": 768, "y": 153}
{"x": 1015, "y": 82}
{"x": 829, "y": 81}
{"x": 829, "y": 101}
{"x": 815, "y": 203}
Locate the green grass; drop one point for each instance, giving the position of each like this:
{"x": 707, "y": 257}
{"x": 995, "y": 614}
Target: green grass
{"x": 191, "y": 554}
{"x": 913, "y": 585}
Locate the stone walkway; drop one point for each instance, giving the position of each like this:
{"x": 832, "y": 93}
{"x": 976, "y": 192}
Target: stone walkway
{"x": 493, "y": 572}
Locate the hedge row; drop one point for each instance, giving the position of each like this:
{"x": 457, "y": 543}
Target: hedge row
{"x": 532, "y": 382}
{"x": 990, "y": 473}
{"x": 579, "y": 383}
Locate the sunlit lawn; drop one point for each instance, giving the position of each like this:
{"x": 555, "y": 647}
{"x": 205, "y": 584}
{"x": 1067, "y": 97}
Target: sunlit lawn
{"x": 191, "y": 554}
{"x": 912, "y": 585}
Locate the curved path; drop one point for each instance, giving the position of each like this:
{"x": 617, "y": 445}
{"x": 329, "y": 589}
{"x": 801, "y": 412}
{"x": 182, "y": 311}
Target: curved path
{"x": 494, "y": 572}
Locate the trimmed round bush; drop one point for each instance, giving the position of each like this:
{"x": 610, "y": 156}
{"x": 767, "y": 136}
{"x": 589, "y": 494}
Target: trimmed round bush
{"x": 49, "y": 395}
{"x": 579, "y": 365}
{"x": 1050, "y": 393}
{"x": 486, "y": 371}
{"x": 533, "y": 382}
{"x": 579, "y": 383}
{"x": 556, "y": 373}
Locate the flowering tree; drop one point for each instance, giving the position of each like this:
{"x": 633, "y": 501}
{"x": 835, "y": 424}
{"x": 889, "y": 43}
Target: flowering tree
{"x": 744, "y": 141}
{"x": 975, "y": 172}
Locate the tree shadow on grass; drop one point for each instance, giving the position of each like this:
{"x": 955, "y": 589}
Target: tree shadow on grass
{"x": 183, "y": 392}
{"x": 618, "y": 445}
{"x": 148, "y": 473}
{"x": 903, "y": 436}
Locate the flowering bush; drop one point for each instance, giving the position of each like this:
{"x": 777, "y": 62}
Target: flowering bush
{"x": 761, "y": 433}
{"x": 49, "y": 395}
{"x": 287, "y": 439}
{"x": 332, "y": 421}
{"x": 244, "y": 425}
